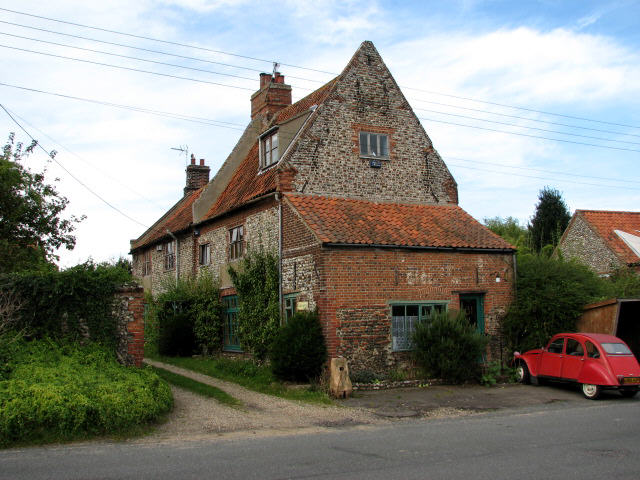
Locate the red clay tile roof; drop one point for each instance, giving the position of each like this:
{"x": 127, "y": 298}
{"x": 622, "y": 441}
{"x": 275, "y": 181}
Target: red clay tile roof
{"x": 360, "y": 222}
{"x": 245, "y": 184}
{"x": 605, "y": 222}
{"x": 314, "y": 98}
{"x": 177, "y": 218}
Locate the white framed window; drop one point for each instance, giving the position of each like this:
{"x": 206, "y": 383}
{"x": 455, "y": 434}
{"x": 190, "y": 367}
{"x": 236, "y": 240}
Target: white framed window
{"x": 269, "y": 151}
{"x": 374, "y": 145}
{"x": 205, "y": 254}
{"x": 169, "y": 256}
{"x": 236, "y": 242}
{"x": 405, "y": 316}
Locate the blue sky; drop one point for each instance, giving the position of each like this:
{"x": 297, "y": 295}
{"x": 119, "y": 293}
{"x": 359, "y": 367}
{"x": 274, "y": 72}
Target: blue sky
{"x": 465, "y": 63}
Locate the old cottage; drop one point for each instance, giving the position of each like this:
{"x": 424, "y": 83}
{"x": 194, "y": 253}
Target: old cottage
{"x": 603, "y": 240}
{"x": 347, "y": 188}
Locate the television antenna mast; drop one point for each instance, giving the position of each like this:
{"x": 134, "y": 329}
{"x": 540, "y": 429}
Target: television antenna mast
{"x": 183, "y": 149}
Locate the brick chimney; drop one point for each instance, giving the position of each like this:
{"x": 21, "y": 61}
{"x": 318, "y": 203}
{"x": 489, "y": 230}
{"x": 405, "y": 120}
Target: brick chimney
{"x": 197, "y": 175}
{"x": 273, "y": 96}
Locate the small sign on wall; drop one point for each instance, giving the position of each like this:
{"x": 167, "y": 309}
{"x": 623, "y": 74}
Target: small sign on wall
{"x": 302, "y": 306}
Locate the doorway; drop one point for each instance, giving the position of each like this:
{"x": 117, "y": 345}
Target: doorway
{"x": 472, "y": 304}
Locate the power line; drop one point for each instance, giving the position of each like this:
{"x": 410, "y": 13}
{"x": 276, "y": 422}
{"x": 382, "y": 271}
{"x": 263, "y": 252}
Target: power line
{"x": 312, "y": 69}
{"x": 89, "y": 163}
{"x": 168, "y": 42}
{"x": 530, "y": 136}
{"x": 178, "y": 116}
{"x": 525, "y": 118}
{"x": 128, "y": 68}
{"x": 524, "y": 126}
{"x": 543, "y": 178}
{"x": 315, "y": 70}
{"x": 149, "y": 50}
{"x": 71, "y": 174}
{"x": 102, "y": 52}
{"x": 554, "y": 172}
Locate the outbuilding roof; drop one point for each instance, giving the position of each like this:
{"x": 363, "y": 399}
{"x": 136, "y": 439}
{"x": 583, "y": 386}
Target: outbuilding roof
{"x": 617, "y": 229}
{"x": 344, "y": 221}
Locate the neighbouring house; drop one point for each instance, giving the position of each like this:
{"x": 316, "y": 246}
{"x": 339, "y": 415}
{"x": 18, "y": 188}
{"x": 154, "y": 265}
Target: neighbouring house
{"x": 603, "y": 240}
{"x": 346, "y": 187}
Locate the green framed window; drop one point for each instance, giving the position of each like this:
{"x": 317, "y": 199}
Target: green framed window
{"x": 472, "y": 304}
{"x": 405, "y": 316}
{"x": 290, "y": 304}
{"x": 231, "y": 343}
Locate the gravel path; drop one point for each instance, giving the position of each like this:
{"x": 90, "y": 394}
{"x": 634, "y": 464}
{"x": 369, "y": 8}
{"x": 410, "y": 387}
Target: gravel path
{"x": 196, "y": 417}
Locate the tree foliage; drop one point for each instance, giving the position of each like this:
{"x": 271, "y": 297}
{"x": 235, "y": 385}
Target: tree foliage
{"x": 550, "y": 219}
{"x": 549, "y": 299}
{"x": 510, "y": 229}
{"x": 256, "y": 280}
{"x": 31, "y": 226}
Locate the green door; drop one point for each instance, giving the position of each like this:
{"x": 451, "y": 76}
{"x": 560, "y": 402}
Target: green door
{"x": 473, "y": 306}
{"x": 231, "y": 342}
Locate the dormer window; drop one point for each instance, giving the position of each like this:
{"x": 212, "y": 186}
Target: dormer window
{"x": 269, "y": 153}
{"x": 374, "y": 145}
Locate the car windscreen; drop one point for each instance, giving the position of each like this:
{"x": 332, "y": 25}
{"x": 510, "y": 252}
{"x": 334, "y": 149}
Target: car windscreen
{"x": 616, "y": 348}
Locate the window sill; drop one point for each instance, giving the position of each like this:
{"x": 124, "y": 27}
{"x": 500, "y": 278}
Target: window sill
{"x": 373, "y": 157}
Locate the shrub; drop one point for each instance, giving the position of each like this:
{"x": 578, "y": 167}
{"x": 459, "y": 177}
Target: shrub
{"x": 71, "y": 304}
{"x": 549, "y": 299}
{"x": 188, "y": 317}
{"x": 299, "y": 351}
{"x": 257, "y": 283}
{"x": 448, "y": 347}
{"x": 60, "y": 392}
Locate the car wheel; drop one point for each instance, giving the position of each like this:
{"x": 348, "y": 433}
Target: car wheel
{"x": 628, "y": 393}
{"x": 522, "y": 373}
{"x": 591, "y": 391}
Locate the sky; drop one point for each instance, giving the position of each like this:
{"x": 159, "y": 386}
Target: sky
{"x": 515, "y": 96}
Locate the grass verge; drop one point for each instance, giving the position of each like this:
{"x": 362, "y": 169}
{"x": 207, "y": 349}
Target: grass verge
{"x": 197, "y": 387}
{"x": 246, "y": 373}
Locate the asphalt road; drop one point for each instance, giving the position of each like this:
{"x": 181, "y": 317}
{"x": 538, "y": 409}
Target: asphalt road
{"x": 558, "y": 441}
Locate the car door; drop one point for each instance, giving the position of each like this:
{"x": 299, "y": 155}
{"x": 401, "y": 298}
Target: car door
{"x": 551, "y": 358}
{"x": 573, "y": 360}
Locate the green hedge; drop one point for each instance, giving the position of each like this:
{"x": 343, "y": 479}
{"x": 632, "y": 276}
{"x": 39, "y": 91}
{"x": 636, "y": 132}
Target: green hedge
{"x": 52, "y": 392}
{"x": 69, "y": 304}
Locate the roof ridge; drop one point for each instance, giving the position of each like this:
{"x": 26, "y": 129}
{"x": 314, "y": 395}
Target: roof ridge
{"x": 605, "y": 211}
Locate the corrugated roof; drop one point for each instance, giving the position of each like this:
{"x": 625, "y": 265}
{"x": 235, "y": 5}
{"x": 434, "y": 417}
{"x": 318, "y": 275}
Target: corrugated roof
{"x": 605, "y": 223}
{"x": 179, "y": 217}
{"x": 361, "y": 222}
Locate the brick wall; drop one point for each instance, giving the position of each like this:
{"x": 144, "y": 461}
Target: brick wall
{"x": 582, "y": 243}
{"x": 128, "y": 308}
{"x": 356, "y": 285}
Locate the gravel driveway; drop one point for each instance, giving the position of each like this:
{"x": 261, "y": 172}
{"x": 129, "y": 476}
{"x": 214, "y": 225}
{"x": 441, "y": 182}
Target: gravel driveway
{"x": 195, "y": 417}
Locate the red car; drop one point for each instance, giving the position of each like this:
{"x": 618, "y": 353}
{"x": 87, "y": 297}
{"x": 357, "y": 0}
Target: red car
{"x": 596, "y": 361}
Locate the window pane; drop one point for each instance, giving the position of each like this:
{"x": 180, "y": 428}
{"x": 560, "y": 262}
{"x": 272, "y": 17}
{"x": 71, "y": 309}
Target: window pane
{"x": 363, "y": 143}
{"x": 384, "y": 146}
{"x": 397, "y": 310}
{"x": 616, "y": 349}
{"x": 412, "y": 310}
{"x": 373, "y": 145}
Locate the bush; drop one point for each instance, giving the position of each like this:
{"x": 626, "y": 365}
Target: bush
{"x": 448, "y": 347}
{"x": 60, "y": 392}
{"x": 71, "y": 304}
{"x": 549, "y": 299}
{"x": 299, "y": 351}
{"x": 257, "y": 283}
{"x": 188, "y": 317}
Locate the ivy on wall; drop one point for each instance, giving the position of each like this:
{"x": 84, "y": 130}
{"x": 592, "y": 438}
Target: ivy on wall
{"x": 72, "y": 304}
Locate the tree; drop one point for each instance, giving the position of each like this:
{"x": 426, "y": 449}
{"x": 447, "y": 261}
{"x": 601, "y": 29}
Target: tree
{"x": 550, "y": 220}
{"x": 549, "y": 299}
{"x": 31, "y": 226}
{"x": 510, "y": 229}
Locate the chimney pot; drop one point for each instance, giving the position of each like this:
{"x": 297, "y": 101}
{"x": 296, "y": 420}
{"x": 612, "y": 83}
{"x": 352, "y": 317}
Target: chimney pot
{"x": 202, "y": 162}
{"x": 193, "y": 159}
{"x": 265, "y": 79}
